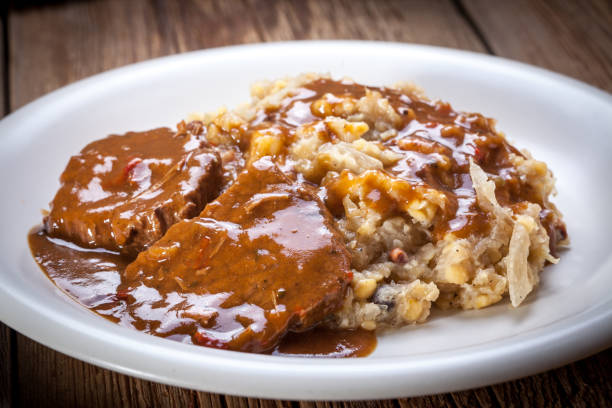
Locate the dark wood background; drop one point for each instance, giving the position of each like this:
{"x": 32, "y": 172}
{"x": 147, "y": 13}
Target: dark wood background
{"x": 48, "y": 44}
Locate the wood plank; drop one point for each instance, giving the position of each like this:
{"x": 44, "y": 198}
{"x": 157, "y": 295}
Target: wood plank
{"x": 4, "y": 91}
{"x": 570, "y": 37}
{"x": 405, "y": 21}
{"x": 6, "y": 350}
{"x": 84, "y": 38}
{"x": 3, "y": 68}
{"x": 585, "y": 383}
{"x": 6, "y": 367}
{"x": 55, "y": 45}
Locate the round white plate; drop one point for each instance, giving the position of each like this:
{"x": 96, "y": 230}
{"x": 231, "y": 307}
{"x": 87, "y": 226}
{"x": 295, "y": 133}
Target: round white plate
{"x": 564, "y": 122}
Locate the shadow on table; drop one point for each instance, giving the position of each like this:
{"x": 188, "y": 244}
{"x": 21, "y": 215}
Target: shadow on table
{"x": 25, "y": 4}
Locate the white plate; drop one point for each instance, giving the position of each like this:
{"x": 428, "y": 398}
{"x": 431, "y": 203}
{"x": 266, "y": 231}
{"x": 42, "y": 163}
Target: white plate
{"x": 563, "y": 122}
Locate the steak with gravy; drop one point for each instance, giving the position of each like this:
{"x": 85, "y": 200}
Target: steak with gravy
{"x": 123, "y": 192}
{"x": 261, "y": 260}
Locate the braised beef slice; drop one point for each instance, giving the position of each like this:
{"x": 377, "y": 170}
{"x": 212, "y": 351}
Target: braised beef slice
{"x": 262, "y": 259}
{"x": 123, "y": 192}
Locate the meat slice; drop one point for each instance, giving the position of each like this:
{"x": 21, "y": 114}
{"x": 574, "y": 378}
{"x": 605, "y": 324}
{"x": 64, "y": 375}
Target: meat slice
{"x": 262, "y": 259}
{"x": 123, "y": 192}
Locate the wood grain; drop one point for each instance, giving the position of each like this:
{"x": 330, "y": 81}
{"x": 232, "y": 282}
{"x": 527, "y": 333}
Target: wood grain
{"x": 6, "y": 367}
{"x": 570, "y": 37}
{"x": 75, "y": 40}
{"x": 4, "y": 109}
{"x": 51, "y": 46}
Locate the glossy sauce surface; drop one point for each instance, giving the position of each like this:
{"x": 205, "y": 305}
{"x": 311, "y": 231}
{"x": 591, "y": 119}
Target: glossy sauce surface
{"x": 122, "y": 192}
{"x": 262, "y": 262}
{"x": 436, "y": 144}
{"x": 327, "y": 343}
{"x": 92, "y": 276}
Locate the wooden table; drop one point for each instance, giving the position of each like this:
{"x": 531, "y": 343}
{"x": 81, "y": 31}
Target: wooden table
{"x": 48, "y": 44}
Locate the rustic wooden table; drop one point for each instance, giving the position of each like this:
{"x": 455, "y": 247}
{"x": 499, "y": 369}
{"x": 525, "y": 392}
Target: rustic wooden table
{"x": 48, "y": 44}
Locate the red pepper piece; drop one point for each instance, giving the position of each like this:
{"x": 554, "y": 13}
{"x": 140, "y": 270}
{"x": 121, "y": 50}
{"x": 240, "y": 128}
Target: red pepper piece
{"x": 125, "y": 172}
{"x": 130, "y": 166}
{"x": 479, "y": 155}
{"x": 122, "y": 294}
{"x": 201, "y": 259}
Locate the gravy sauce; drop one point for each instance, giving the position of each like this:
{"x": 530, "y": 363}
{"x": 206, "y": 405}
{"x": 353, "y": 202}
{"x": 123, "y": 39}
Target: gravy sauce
{"x": 327, "y": 343}
{"x": 435, "y": 145}
{"x": 92, "y": 276}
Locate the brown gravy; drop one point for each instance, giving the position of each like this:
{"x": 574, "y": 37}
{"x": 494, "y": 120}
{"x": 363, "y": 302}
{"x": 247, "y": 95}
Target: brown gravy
{"x": 92, "y": 276}
{"x": 435, "y": 145}
{"x": 261, "y": 260}
{"x": 327, "y": 343}
{"x": 123, "y": 192}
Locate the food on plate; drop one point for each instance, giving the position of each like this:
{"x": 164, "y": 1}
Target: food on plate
{"x": 123, "y": 192}
{"x": 262, "y": 259}
{"x": 321, "y": 204}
